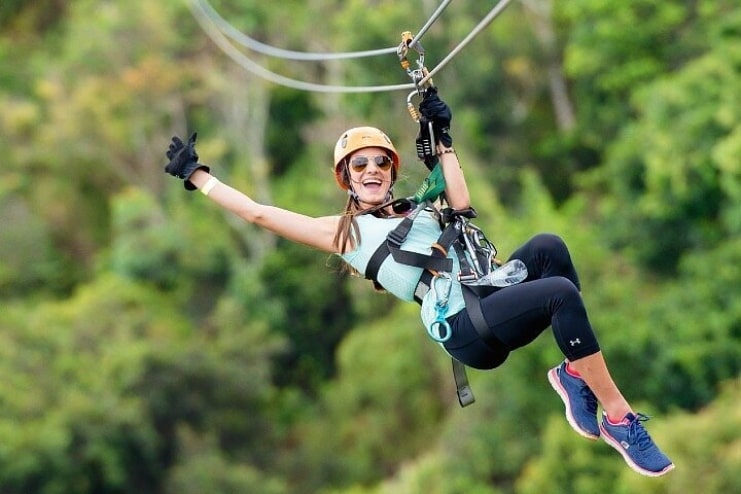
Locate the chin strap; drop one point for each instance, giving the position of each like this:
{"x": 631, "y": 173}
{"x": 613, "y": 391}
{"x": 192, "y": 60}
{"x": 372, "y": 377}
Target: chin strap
{"x": 353, "y": 195}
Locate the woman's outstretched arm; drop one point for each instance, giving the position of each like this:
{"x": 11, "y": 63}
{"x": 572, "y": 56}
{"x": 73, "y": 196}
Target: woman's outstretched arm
{"x": 314, "y": 232}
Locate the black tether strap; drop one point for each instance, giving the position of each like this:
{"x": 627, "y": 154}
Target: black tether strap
{"x": 465, "y": 395}
{"x": 473, "y": 304}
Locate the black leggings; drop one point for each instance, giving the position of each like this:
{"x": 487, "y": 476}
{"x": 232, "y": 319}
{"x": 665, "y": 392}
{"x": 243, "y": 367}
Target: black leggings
{"x": 517, "y": 314}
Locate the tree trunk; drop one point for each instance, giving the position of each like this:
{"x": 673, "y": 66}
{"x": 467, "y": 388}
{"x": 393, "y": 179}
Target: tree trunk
{"x": 541, "y": 18}
{"x": 245, "y": 104}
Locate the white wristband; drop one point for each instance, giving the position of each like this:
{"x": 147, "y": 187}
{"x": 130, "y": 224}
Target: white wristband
{"x": 209, "y": 185}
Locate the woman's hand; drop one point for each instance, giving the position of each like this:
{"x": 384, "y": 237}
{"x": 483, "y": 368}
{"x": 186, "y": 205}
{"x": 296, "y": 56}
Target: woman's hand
{"x": 184, "y": 160}
{"x": 436, "y": 111}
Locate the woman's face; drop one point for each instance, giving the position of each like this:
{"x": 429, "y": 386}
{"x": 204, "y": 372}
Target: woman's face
{"x": 370, "y": 171}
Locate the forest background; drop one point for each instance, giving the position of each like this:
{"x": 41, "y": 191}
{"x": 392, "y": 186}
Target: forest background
{"x": 151, "y": 343}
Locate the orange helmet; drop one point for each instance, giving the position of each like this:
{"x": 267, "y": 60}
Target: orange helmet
{"x": 359, "y": 138}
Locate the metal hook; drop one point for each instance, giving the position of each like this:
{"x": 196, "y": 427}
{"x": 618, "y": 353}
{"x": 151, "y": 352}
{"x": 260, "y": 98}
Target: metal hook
{"x": 439, "y": 329}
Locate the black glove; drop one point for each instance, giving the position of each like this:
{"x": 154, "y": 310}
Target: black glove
{"x": 436, "y": 111}
{"x": 184, "y": 160}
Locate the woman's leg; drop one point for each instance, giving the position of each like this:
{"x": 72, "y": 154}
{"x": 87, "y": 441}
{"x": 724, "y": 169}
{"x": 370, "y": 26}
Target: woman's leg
{"x": 593, "y": 370}
{"x": 585, "y": 376}
{"x": 550, "y": 296}
{"x": 546, "y": 255}
{"x": 518, "y": 314}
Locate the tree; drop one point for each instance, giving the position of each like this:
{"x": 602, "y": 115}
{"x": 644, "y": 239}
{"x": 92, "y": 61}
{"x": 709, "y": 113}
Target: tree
{"x": 676, "y": 164}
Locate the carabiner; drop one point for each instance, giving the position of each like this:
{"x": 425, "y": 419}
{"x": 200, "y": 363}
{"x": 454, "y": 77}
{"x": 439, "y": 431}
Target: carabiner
{"x": 444, "y": 278}
{"x": 439, "y": 329}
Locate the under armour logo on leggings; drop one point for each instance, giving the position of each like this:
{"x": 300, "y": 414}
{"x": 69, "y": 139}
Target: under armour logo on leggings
{"x": 575, "y": 342}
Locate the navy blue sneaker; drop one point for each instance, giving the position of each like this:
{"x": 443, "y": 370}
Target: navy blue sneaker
{"x": 632, "y": 441}
{"x": 581, "y": 404}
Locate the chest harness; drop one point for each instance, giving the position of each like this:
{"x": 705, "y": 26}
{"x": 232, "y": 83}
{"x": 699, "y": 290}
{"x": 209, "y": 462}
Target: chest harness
{"x": 476, "y": 256}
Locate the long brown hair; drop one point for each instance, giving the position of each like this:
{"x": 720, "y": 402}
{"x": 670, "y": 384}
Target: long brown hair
{"x": 347, "y": 236}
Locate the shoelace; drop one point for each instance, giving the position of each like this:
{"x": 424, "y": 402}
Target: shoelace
{"x": 638, "y": 434}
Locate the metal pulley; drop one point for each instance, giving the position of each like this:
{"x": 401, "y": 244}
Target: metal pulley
{"x": 418, "y": 74}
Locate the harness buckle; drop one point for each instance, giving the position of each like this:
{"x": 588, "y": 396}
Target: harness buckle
{"x": 397, "y": 238}
{"x": 467, "y": 276}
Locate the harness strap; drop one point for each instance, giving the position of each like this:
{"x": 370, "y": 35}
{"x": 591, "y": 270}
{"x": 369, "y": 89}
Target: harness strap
{"x": 392, "y": 246}
{"x": 423, "y": 286}
{"x": 473, "y": 307}
{"x": 462, "y": 388}
{"x": 383, "y": 251}
{"x": 425, "y": 261}
{"x": 374, "y": 263}
{"x": 439, "y": 251}
{"x": 472, "y": 298}
{"x": 428, "y": 263}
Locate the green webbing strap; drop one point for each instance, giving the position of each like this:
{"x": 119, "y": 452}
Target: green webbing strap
{"x": 465, "y": 395}
{"x": 432, "y": 186}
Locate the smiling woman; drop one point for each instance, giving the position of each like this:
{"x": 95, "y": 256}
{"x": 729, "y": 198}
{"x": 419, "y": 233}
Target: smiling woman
{"x": 370, "y": 176}
{"x": 426, "y": 253}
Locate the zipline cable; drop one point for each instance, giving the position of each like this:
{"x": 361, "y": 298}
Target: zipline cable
{"x": 251, "y": 66}
{"x": 493, "y": 14}
{"x": 218, "y": 37}
{"x": 252, "y": 44}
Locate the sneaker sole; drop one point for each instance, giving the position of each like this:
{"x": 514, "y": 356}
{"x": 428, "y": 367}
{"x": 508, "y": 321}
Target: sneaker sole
{"x": 635, "y": 467}
{"x": 556, "y": 385}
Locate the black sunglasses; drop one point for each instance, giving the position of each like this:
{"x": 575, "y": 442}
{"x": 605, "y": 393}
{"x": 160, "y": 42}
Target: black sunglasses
{"x": 359, "y": 163}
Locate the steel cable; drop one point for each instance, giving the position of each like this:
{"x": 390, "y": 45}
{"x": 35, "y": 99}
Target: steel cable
{"x": 210, "y": 22}
{"x": 251, "y": 66}
{"x": 252, "y": 44}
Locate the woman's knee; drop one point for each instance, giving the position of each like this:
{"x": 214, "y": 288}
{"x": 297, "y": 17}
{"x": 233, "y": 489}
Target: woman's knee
{"x": 553, "y": 257}
{"x": 550, "y": 243}
{"x": 563, "y": 287}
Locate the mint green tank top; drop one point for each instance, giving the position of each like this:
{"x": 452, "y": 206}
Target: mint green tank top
{"x": 399, "y": 279}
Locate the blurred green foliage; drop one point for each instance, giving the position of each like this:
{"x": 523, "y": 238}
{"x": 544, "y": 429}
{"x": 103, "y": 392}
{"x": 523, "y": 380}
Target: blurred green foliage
{"x": 151, "y": 343}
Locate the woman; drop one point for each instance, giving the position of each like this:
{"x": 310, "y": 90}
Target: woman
{"x": 366, "y": 165}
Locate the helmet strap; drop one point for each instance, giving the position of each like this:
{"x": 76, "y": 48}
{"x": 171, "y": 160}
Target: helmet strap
{"x": 353, "y": 195}
{"x": 390, "y": 194}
